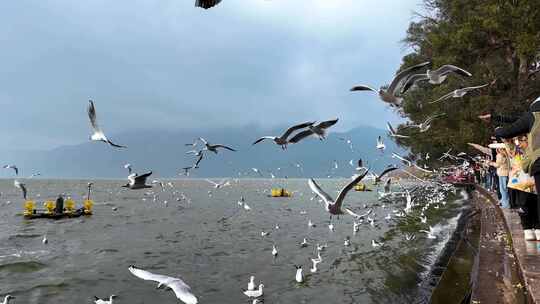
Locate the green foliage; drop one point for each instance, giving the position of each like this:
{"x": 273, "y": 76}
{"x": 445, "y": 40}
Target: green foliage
{"x": 498, "y": 41}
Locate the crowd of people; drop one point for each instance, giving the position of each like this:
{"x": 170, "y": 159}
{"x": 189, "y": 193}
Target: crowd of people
{"x": 513, "y": 169}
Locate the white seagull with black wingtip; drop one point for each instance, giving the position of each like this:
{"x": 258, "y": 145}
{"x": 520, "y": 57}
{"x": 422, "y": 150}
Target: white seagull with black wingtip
{"x": 283, "y": 139}
{"x": 21, "y": 186}
{"x": 137, "y": 181}
{"x": 390, "y": 95}
{"x": 460, "y": 92}
{"x": 98, "y": 134}
{"x": 318, "y": 130}
{"x": 331, "y": 205}
{"x": 214, "y": 148}
{"x": 12, "y": 167}
{"x": 180, "y": 289}
{"x": 437, "y": 76}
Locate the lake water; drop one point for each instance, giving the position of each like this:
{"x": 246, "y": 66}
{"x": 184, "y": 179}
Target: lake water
{"x": 215, "y": 245}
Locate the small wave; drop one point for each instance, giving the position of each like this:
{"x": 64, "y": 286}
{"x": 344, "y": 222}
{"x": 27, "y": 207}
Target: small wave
{"x": 22, "y": 267}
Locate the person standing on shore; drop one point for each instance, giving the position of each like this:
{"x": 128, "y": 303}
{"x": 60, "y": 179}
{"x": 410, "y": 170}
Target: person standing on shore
{"x": 502, "y": 164}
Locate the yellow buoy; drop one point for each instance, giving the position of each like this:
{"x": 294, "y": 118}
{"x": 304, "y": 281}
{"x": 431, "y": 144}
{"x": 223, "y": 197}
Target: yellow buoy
{"x": 49, "y": 206}
{"x": 360, "y": 187}
{"x": 69, "y": 204}
{"x": 88, "y": 204}
{"x": 29, "y": 207}
{"x": 280, "y": 192}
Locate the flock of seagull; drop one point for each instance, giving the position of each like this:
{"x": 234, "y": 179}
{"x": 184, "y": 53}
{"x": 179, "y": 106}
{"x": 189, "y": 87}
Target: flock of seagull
{"x": 404, "y": 81}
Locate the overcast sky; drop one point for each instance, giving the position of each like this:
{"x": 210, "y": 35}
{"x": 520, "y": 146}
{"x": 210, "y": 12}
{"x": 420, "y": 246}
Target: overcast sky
{"x": 166, "y": 64}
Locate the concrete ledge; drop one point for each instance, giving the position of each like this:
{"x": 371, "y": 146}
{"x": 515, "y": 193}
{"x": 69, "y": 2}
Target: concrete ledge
{"x": 503, "y": 246}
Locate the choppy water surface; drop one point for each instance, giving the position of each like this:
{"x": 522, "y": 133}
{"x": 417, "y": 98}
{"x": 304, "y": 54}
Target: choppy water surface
{"x": 214, "y": 245}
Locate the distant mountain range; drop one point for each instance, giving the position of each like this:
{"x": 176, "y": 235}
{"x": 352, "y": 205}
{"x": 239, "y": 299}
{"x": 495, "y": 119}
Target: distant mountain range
{"x": 163, "y": 152}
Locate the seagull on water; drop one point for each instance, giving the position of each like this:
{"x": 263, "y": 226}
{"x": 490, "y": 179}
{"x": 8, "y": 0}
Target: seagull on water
{"x": 274, "y": 251}
{"x": 437, "y": 76}
{"x": 214, "y": 148}
{"x": 180, "y": 289}
{"x": 380, "y": 144}
{"x": 283, "y": 139}
{"x": 299, "y": 277}
{"x": 356, "y": 227}
{"x": 12, "y": 167}
{"x": 390, "y": 95}
{"x": 347, "y": 242}
{"x": 206, "y": 4}
{"x": 98, "y": 134}
{"x": 318, "y": 130}
{"x": 460, "y": 92}
{"x": 45, "y": 240}
{"x": 101, "y": 301}
{"x": 376, "y": 244}
{"x": 392, "y": 132}
{"x": 21, "y": 186}
{"x": 429, "y": 234}
{"x": 255, "y": 293}
{"x": 316, "y": 262}
{"x": 331, "y": 227}
{"x": 331, "y": 205}
{"x": 7, "y": 299}
{"x": 137, "y": 181}
{"x": 251, "y": 283}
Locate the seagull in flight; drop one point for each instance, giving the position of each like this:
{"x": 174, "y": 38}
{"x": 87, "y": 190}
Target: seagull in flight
{"x": 318, "y": 130}
{"x": 214, "y": 148}
{"x": 283, "y": 139}
{"x": 206, "y": 4}
{"x": 180, "y": 289}
{"x": 98, "y": 134}
{"x": 101, "y": 301}
{"x": 137, "y": 181}
{"x": 12, "y": 167}
{"x": 460, "y": 92}
{"x": 334, "y": 206}
{"x": 386, "y": 171}
{"x": 426, "y": 125}
{"x": 21, "y": 186}
{"x": 437, "y": 76}
{"x": 219, "y": 185}
{"x": 392, "y": 132}
{"x": 390, "y": 95}
{"x": 358, "y": 216}
{"x": 402, "y": 159}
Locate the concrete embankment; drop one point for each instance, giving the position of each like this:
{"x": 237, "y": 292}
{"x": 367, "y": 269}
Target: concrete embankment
{"x": 483, "y": 266}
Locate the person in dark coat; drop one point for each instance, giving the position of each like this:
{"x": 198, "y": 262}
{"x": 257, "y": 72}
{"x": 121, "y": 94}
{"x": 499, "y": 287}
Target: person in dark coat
{"x": 59, "y": 205}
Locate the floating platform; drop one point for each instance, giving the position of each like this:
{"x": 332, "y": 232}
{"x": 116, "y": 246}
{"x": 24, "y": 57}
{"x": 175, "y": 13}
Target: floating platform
{"x": 69, "y": 211}
{"x": 280, "y": 192}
